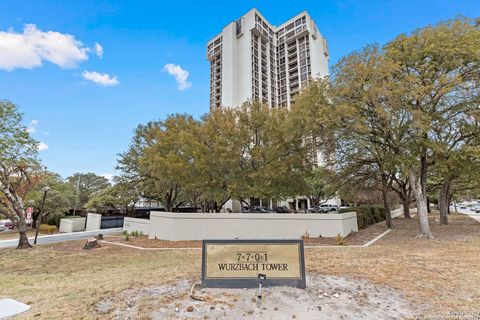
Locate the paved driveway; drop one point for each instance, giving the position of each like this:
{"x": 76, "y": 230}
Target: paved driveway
{"x": 60, "y": 237}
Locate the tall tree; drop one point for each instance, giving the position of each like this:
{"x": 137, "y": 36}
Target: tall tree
{"x": 60, "y": 197}
{"x": 167, "y": 159}
{"x": 86, "y": 184}
{"x": 122, "y": 196}
{"x": 273, "y": 156}
{"x": 129, "y": 163}
{"x": 364, "y": 123}
{"x": 436, "y": 83}
{"x": 402, "y": 187}
{"x": 216, "y": 158}
{"x": 319, "y": 186}
{"x": 20, "y": 168}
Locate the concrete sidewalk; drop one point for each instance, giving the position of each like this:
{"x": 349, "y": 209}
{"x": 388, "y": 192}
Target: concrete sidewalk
{"x": 468, "y": 212}
{"x": 60, "y": 237}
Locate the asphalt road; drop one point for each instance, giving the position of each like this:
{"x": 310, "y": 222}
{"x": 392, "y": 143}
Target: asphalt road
{"x": 60, "y": 237}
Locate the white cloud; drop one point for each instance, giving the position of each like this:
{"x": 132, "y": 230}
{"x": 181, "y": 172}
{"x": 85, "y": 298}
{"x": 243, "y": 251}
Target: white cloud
{"x": 29, "y": 49}
{"x": 180, "y": 75}
{"x": 42, "y": 146}
{"x": 32, "y": 127}
{"x": 98, "y": 50}
{"x": 102, "y": 79}
{"x": 108, "y": 176}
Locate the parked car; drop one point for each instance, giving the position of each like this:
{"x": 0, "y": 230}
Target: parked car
{"x": 256, "y": 209}
{"x": 7, "y": 224}
{"x": 323, "y": 208}
{"x": 3, "y": 228}
{"x": 283, "y": 209}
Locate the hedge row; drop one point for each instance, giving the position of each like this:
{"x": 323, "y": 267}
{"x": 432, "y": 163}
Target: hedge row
{"x": 45, "y": 228}
{"x": 367, "y": 215}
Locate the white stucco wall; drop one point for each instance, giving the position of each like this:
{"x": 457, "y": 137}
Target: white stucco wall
{"x": 229, "y": 63}
{"x": 94, "y": 220}
{"x": 198, "y": 226}
{"x": 72, "y": 225}
{"x": 397, "y": 212}
{"x": 318, "y": 59}
{"x": 134, "y": 224}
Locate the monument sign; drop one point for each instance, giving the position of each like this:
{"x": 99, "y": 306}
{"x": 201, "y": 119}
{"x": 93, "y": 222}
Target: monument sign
{"x": 240, "y": 263}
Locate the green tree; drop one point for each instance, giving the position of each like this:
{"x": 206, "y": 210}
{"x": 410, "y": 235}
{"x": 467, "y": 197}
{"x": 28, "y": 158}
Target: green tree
{"x": 129, "y": 163}
{"x": 20, "y": 169}
{"x": 320, "y": 186}
{"x": 87, "y": 184}
{"x": 273, "y": 158}
{"x": 122, "y": 196}
{"x": 167, "y": 160}
{"x": 435, "y": 83}
{"x": 216, "y": 158}
{"x": 60, "y": 197}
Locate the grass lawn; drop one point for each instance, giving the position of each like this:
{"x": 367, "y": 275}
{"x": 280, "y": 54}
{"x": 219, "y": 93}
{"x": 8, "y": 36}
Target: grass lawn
{"x": 62, "y": 281}
{"x": 13, "y": 234}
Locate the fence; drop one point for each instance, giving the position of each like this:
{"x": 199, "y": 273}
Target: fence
{"x": 111, "y": 222}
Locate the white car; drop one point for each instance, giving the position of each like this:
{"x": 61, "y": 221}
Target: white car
{"x": 328, "y": 207}
{"x": 7, "y": 224}
{"x": 3, "y": 228}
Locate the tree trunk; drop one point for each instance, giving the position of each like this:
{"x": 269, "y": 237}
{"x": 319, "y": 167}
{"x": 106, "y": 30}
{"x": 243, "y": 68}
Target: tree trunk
{"x": 168, "y": 202}
{"x": 428, "y": 206}
{"x": 386, "y": 204}
{"x": 421, "y": 199}
{"x": 23, "y": 239}
{"x": 406, "y": 208}
{"x": 251, "y": 205}
{"x": 443, "y": 201}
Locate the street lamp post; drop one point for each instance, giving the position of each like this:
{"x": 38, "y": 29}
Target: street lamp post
{"x": 39, "y": 220}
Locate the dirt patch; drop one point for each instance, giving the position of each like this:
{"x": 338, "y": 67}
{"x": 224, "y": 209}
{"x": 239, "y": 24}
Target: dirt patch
{"x": 357, "y": 238}
{"x": 144, "y": 242}
{"x": 326, "y": 297}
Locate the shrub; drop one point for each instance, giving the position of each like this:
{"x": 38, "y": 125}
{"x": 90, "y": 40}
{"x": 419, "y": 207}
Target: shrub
{"x": 367, "y": 215}
{"x": 48, "y": 229}
{"x": 340, "y": 241}
{"x": 379, "y": 213}
{"x": 53, "y": 219}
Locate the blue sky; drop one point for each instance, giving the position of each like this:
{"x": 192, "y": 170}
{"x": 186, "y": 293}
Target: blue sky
{"x": 86, "y": 124}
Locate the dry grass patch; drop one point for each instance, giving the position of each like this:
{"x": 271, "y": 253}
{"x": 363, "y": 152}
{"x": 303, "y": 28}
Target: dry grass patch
{"x": 144, "y": 242}
{"x": 440, "y": 275}
{"x": 13, "y": 234}
{"x": 62, "y": 281}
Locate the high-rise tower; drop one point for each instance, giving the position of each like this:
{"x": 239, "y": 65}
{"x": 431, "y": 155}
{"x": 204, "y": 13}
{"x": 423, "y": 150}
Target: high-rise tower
{"x": 251, "y": 59}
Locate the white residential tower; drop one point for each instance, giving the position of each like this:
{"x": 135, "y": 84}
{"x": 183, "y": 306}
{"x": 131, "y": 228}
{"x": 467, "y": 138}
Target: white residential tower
{"x": 252, "y": 59}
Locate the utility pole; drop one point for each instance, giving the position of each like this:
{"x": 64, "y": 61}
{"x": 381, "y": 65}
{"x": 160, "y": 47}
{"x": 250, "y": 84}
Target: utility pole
{"x": 76, "y": 195}
{"x": 39, "y": 220}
